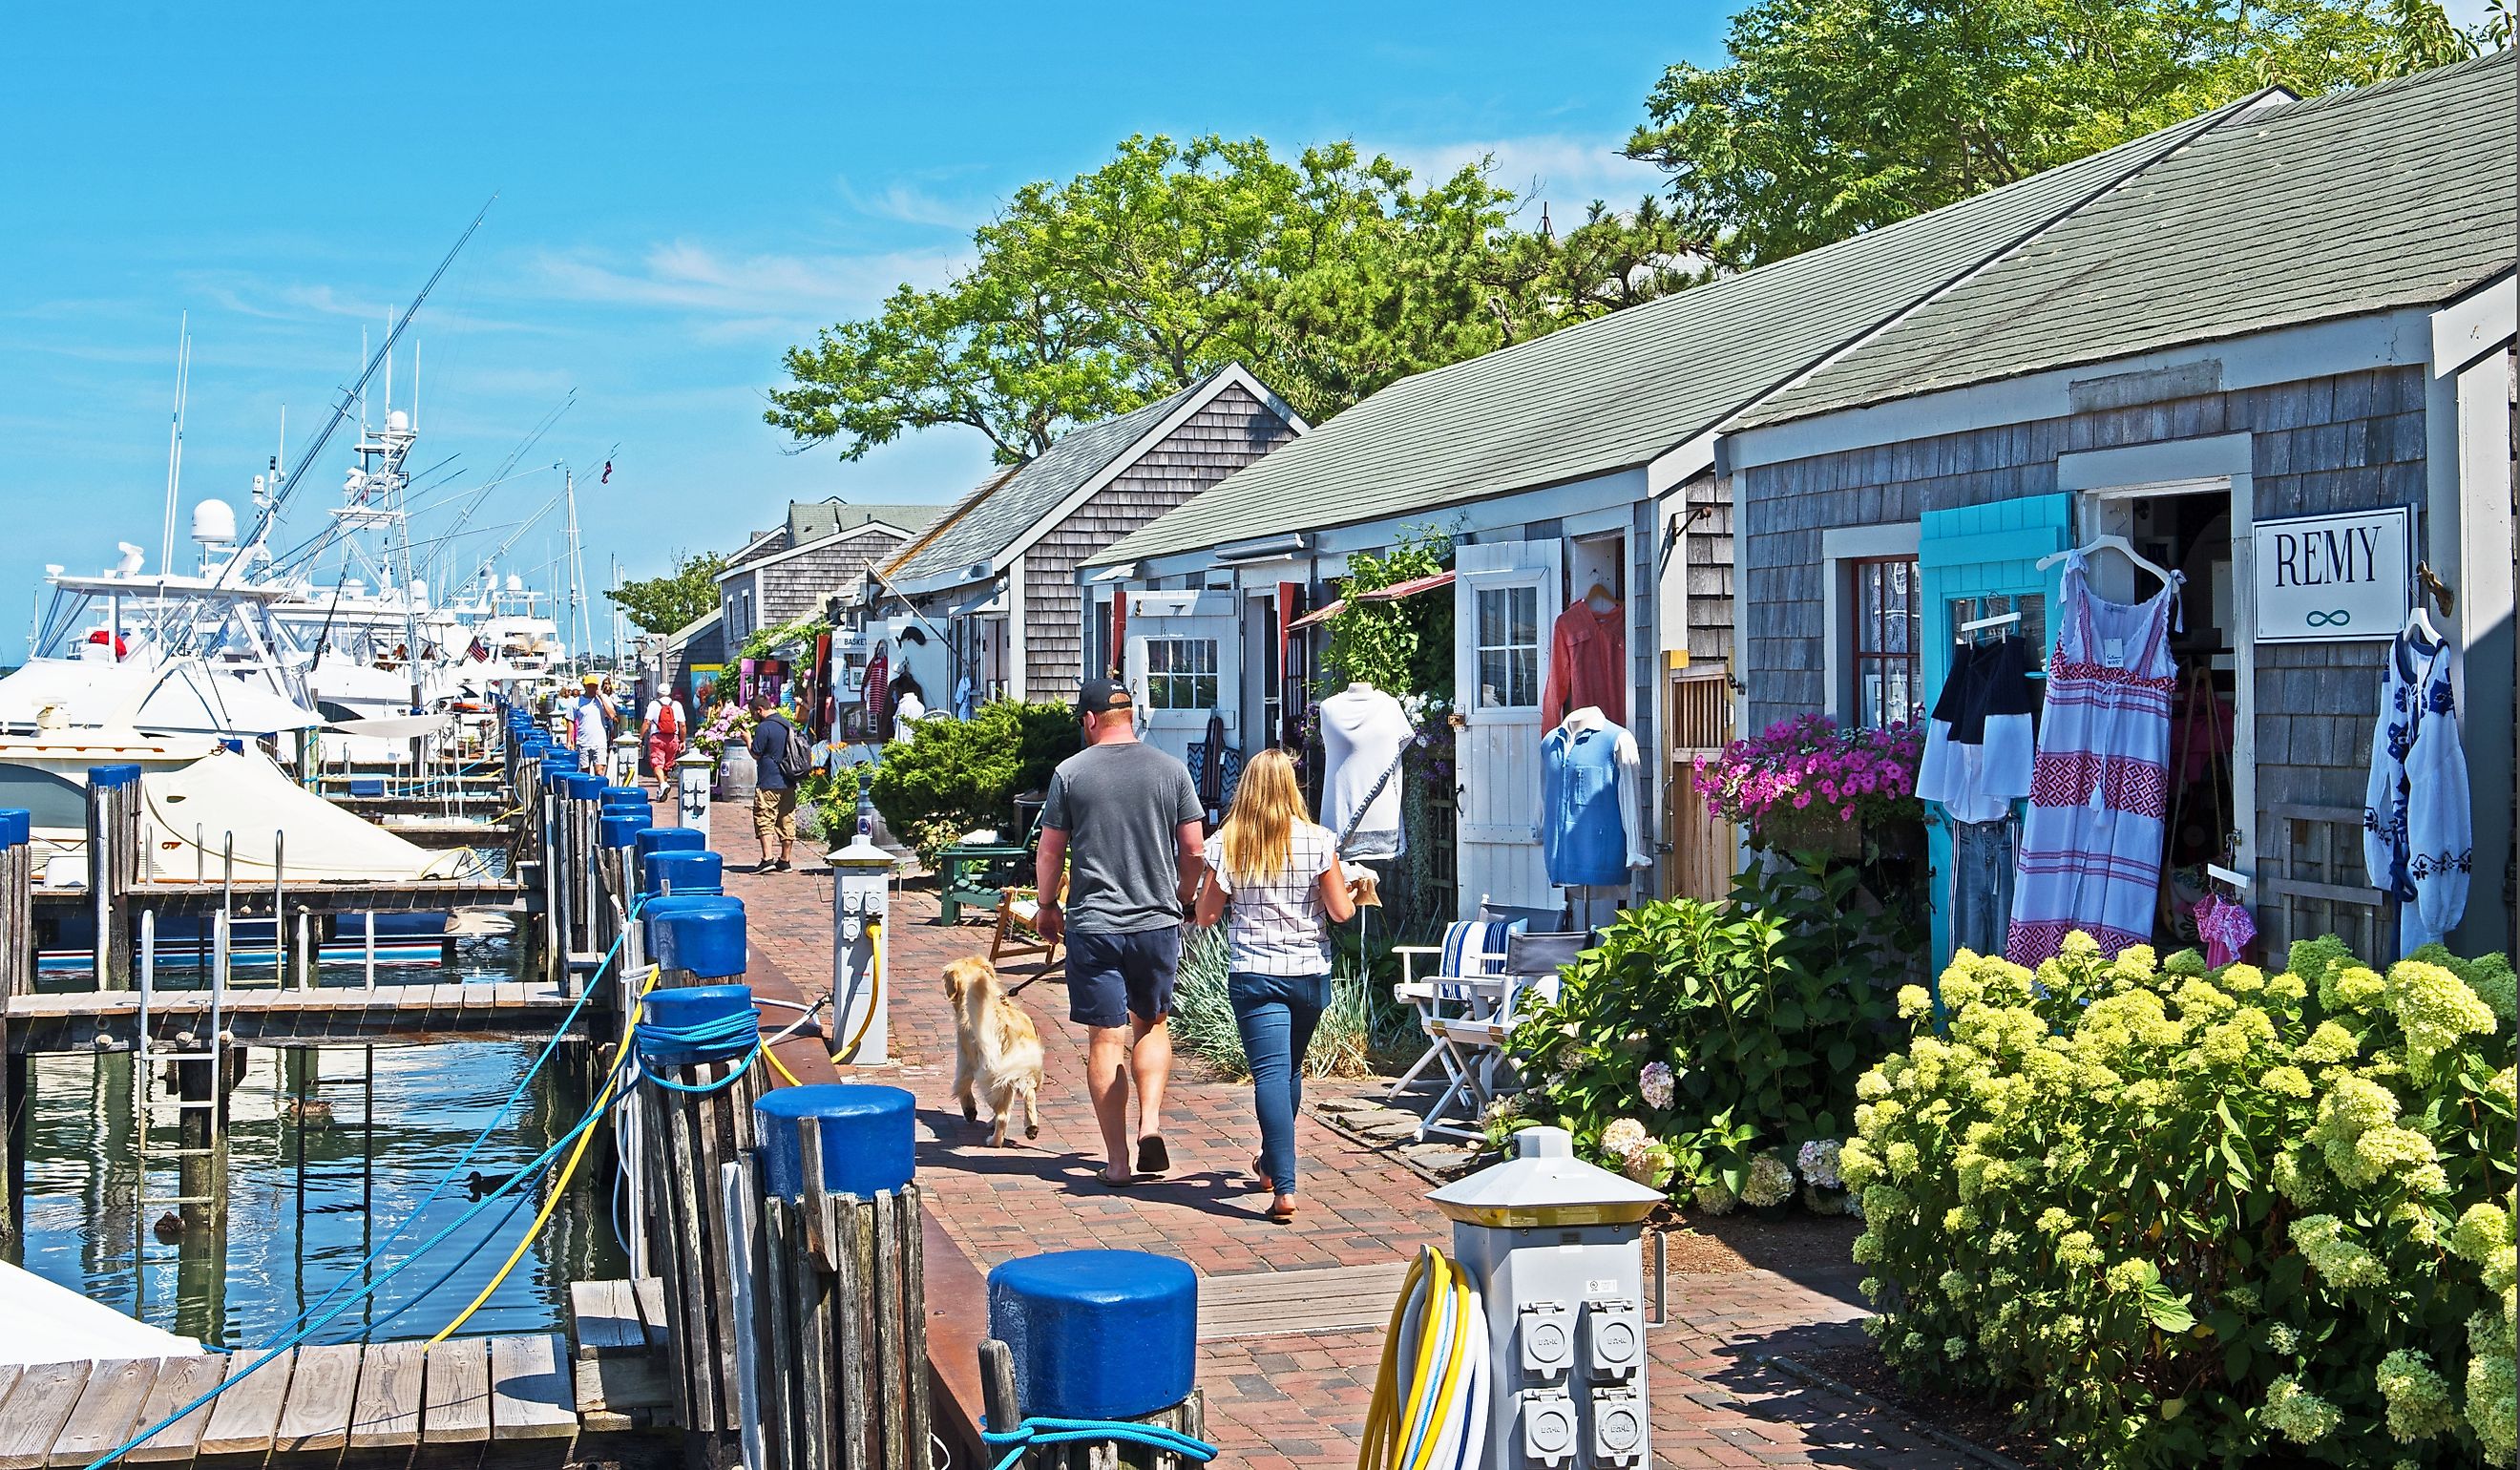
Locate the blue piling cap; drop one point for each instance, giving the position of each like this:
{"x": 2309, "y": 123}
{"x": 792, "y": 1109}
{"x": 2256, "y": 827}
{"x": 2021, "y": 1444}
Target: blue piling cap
{"x": 666, "y": 839}
{"x": 113, "y": 776}
{"x": 866, "y": 1138}
{"x": 16, "y": 826}
{"x": 706, "y": 943}
{"x": 620, "y": 829}
{"x": 557, "y": 764}
{"x": 653, "y": 910}
{"x": 1096, "y": 1334}
{"x": 682, "y": 872}
{"x": 367, "y": 786}
{"x": 582, "y": 787}
{"x": 625, "y": 799}
{"x": 686, "y": 1008}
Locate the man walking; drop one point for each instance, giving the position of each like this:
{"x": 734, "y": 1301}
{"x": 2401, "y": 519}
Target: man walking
{"x": 590, "y": 724}
{"x": 1126, "y": 818}
{"x": 773, "y": 790}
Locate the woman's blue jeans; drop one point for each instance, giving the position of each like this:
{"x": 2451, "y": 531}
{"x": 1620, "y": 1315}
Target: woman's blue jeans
{"x": 1277, "y": 1014}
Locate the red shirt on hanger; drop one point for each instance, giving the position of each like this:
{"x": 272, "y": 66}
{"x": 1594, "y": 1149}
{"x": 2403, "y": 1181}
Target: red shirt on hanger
{"x": 1588, "y": 657}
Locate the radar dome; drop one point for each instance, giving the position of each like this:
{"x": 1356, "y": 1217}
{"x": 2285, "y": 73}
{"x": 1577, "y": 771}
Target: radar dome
{"x": 515, "y": 583}
{"x": 397, "y": 421}
{"x": 214, "y": 523}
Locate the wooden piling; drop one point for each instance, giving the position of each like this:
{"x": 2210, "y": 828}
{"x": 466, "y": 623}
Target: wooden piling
{"x": 685, "y": 1136}
{"x": 999, "y": 1403}
{"x": 113, "y": 867}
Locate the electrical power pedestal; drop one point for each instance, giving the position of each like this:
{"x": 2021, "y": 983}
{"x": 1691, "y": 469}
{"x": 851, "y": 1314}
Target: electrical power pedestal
{"x": 1553, "y": 1243}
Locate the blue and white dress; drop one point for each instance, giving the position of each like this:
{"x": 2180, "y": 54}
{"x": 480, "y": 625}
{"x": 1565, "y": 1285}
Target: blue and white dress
{"x": 2418, "y": 831}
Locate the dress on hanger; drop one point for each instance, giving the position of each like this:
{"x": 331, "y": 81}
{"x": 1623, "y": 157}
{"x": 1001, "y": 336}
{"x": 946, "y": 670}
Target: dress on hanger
{"x": 1587, "y": 655}
{"x": 1978, "y": 749}
{"x": 2092, "y": 846}
{"x": 2418, "y": 824}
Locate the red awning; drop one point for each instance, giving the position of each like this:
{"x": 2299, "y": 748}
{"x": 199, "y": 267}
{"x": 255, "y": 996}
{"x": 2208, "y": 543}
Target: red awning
{"x": 1391, "y": 594}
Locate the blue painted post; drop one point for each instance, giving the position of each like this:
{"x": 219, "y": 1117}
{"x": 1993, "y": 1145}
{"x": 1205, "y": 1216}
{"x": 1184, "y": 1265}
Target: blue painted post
{"x": 845, "y": 1308}
{"x": 698, "y": 1045}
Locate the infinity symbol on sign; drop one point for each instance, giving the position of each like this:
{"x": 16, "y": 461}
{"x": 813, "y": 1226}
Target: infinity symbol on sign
{"x": 2336, "y": 619}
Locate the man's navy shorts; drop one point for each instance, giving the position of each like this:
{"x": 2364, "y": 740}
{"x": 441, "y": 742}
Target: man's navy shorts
{"x": 1111, "y": 977}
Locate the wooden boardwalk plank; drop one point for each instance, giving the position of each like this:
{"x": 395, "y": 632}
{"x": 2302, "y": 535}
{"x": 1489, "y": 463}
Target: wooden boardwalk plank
{"x": 243, "y": 1418}
{"x": 459, "y": 1393}
{"x": 386, "y": 1413}
{"x": 511, "y": 994}
{"x": 321, "y": 1392}
{"x": 1267, "y": 1303}
{"x": 180, "y": 1381}
{"x": 607, "y": 1318}
{"x": 531, "y": 1397}
{"x": 107, "y": 1410}
{"x": 35, "y": 1410}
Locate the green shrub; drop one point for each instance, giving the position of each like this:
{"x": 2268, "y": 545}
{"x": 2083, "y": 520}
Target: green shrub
{"x": 961, "y": 774}
{"x": 1364, "y": 1027}
{"x": 1714, "y": 1032}
{"x": 2178, "y": 1217}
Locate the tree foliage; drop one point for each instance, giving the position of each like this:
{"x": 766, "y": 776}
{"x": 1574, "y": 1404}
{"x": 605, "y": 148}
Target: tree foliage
{"x": 663, "y": 604}
{"x": 1835, "y": 117}
{"x": 1329, "y": 276}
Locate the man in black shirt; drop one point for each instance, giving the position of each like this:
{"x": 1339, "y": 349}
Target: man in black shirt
{"x": 774, "y": 800}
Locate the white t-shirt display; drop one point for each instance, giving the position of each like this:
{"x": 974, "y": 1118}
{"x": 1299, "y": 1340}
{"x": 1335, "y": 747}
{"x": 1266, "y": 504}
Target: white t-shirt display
{"x": 908, "y": 710}
{"x": 1362, "y": 730}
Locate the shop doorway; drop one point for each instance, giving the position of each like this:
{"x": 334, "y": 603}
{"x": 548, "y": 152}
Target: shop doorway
{"x": 1183, "y": 666}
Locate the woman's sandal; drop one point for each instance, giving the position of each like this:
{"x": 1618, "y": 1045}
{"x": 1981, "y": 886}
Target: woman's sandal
{"x": 1281, "y": 1212}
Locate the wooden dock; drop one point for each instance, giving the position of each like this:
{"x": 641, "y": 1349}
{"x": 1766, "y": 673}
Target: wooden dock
{"x": 253, "y": 901}
{"x": 110, "y": 1021}
{"x": 394, "y": 1397}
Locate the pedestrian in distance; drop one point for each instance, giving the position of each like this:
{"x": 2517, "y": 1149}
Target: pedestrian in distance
{"x": 590, "y": 723}
{"x": 779, "y": 759}
{"x": 1276, "y": 879}
{"x": 666, "y": 727}
{"x": 1122, "y": 818}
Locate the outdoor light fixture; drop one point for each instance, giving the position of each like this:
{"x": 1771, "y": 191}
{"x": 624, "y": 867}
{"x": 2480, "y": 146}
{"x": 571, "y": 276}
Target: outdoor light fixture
{"x": 1266, "y": 549}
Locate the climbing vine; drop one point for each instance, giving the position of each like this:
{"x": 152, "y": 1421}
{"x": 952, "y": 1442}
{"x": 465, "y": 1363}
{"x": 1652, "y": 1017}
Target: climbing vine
{"x": 1402, "y": 648}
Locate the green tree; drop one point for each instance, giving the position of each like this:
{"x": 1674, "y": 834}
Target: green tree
{"x": 663, "y": 605}
{"x": 1404, "y": 646}
{"x": 1835, "y": 117}
{"x": 1330, "y": 275}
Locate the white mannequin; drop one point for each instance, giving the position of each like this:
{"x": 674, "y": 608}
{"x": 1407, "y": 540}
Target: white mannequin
{"x": 1362, "y": 730}
{"x": 1631, "y": 815}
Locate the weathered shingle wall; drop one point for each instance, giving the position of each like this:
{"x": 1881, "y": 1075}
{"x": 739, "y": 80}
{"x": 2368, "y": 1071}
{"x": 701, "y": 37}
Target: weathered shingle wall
{"x": 1232, "y": 430}
{"x": 2349, "y": 442}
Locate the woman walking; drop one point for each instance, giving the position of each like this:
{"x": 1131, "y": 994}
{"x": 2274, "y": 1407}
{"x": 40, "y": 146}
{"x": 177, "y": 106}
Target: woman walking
{"x": 1276, "y": 879}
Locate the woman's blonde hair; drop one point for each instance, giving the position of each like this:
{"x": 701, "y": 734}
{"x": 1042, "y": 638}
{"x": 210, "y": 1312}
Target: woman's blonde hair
{"x": 1260, "y": 827}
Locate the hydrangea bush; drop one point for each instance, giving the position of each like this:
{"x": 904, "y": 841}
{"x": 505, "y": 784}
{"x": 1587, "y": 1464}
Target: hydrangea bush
{"x": 2182, "y": 1217}
{"x": 1711, "y": 1033}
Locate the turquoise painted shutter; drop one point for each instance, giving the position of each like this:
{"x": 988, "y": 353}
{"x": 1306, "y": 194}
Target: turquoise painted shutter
{"x": 1986, "y": 557}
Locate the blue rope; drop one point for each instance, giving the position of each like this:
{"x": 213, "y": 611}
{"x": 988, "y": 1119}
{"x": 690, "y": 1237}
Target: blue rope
{"x": 722, "y": 1040}
{"x": 1039, "y": 1429}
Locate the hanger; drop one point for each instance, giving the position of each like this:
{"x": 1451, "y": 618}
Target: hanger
{"x": 1599, "y": 594}
{"x": 2418, "y": 621}
{"x": 2003, "y": 621}
{"x": 2111, "y": 543}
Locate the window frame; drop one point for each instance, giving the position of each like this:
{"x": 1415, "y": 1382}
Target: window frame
{"x": 1480, "y": 647}
{"x": 1868, "y": 654}
{"x": 1163, "y": 684}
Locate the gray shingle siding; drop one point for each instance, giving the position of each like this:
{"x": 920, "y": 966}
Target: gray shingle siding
{"x": 1232, "y": 430}
{"x": 2349, "y": 442}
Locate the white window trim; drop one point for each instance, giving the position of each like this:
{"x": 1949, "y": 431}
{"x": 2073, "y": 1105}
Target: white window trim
{"x": 1511, "y": 582}
{"x": 1839, "y": 545}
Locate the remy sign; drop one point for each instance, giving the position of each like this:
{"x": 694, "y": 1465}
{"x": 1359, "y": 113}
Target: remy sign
{"x": 2330, "y": 578}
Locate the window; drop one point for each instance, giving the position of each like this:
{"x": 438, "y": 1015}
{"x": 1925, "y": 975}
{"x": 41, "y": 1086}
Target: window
{"x": 1887, "y": 687}
{"x": 1508, "y": 647}
{"x": 1181, "y": 672}
{"x": 53, "y": 801}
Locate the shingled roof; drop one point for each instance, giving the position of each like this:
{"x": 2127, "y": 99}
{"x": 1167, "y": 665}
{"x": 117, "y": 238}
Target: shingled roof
{"x": 2397, "y": 195}
{"x": 995, "y": 514}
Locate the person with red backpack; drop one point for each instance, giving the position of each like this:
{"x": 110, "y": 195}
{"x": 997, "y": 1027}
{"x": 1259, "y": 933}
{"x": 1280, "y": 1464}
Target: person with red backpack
{"x": 666, "y": 726}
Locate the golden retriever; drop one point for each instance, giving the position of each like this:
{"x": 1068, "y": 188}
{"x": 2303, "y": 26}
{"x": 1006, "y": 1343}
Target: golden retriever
{"x": 995, "y": 1048}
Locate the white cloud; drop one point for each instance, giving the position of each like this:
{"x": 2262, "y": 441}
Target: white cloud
{"x": 769, "y": 291}
{"x": 1568, "y": 173}
{"x": 910, "y": 204}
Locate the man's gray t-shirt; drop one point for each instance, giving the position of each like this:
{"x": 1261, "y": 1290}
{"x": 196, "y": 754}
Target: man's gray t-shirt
{"x": 1120, "y": 806}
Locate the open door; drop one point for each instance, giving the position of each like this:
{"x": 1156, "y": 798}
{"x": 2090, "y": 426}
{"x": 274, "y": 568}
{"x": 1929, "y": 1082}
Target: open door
{"x": 1506, "y": 598}
{"x": 1977, "y": 562}
{"x": 1183, "y": 663}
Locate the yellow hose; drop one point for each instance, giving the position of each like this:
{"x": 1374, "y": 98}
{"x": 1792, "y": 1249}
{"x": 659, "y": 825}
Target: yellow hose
{"x": 875, "y": 994}
{"x": 1381, "y": 1428}
{"x": 1448, "y": 1393}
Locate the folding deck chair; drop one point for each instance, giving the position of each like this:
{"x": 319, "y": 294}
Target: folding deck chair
{"x": 1466, "y": 1008}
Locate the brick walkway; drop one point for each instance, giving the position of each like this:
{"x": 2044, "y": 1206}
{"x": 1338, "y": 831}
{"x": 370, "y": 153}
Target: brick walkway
{"x": 1297, "y": 1401}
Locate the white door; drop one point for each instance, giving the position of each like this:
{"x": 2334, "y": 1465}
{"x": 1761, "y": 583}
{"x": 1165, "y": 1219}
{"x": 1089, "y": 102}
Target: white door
{"x": 1183, "y": 664}
{"x": 1505, "y": 599}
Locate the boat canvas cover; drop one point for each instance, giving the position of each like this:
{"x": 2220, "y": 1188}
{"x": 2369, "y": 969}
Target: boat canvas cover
{"x": 184, "y": 697}
{"x": 192, "y": 813}
{"x": 53, "y": 1323}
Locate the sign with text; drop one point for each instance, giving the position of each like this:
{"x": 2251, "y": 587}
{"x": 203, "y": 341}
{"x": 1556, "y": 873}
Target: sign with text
{"x": 2334, "y": 578}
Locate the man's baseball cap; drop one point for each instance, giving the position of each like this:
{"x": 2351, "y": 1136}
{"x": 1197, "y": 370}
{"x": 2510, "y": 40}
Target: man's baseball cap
{"x": 594, "y": 679}
{"x": 1100, "y": 696}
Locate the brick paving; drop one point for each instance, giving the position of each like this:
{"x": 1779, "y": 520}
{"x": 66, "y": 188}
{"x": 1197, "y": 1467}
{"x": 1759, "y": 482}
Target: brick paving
{"x": 1295, "y": 1401}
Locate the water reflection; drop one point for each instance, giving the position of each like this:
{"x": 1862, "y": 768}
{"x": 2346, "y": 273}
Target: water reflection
{"x": 327, "y": 1148}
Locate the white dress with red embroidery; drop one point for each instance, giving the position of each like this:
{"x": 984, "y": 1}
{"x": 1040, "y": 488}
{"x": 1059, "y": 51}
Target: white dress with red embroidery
{"x": 2091, "y": 849}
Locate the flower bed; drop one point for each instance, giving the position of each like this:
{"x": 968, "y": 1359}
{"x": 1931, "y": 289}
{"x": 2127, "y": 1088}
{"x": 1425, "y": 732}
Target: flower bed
{"x": 2180, "y": 1216}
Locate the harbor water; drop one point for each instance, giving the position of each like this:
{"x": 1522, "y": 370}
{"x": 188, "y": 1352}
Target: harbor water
{"x": 329, "y": 1150}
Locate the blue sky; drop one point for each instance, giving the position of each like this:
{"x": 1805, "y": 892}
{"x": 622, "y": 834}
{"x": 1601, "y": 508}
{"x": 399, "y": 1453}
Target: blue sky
{"x": 684, "y": 192}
